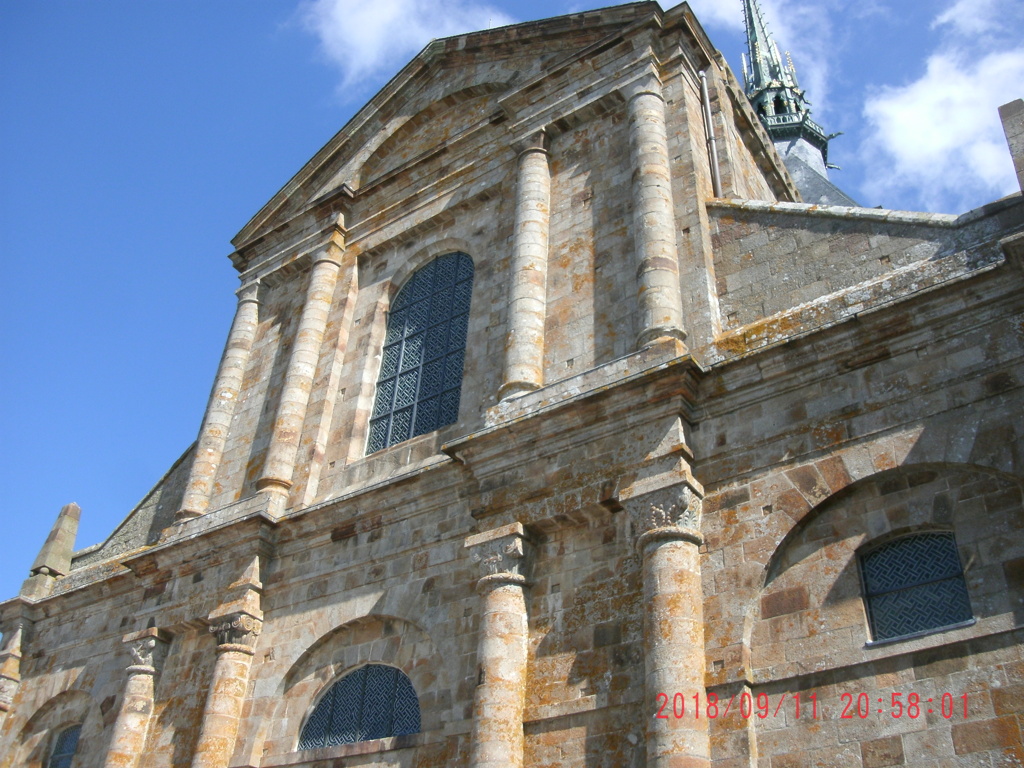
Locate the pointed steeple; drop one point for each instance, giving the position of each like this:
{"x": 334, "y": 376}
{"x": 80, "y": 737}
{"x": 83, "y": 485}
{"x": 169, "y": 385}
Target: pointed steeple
{"x": 775, "y": 93}
{"x": 54, "y": 558}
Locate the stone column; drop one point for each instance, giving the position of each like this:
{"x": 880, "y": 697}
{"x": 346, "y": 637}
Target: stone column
{"x": 279, "y": 467}
{"x": 10, "y": 664}
{"x": 213, "y": 434}
{"x": 667, "y": 522}
{"x": 527, "y": 306}
{"x": 501, "y": 654}
{"x": 236, "y": 641}
{"x": 654, "y": 230}
{"x": 148, "y": 649}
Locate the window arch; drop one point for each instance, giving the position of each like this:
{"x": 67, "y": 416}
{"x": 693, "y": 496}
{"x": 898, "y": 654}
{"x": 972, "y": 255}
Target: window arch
{"x": 914, "y": 584}
{"x": 64, "y": 747}
{"x": 420, "y": 381}
{"x": 372, "y": 702}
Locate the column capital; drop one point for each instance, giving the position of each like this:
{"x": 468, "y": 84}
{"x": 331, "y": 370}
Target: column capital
{"x": 249, "y": 292}
{"x": 236, "y": 632}
{"x": 148, "y": 649}
{"x": 538, "y": 141}
{"x": 646, "y": 83}
{"x": 667, "y": 514}
{"x": 502, "y": 554}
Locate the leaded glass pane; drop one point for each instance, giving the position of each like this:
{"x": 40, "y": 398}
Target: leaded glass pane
{"x": 460, "y": 305}
{"x": 64, "y": 747}
{"x": 347, "y": 694}
{"x": 449, "y": 410}
{"x": 401, "y": 423}
{"x": 453, "y": 375}
{"x": 378, "y": 435}
{"x": 412, "y": 353}
{"x": 433, "y": 379}
{"x": 459, "y": 327}
{"x": 408, "y": 386}
{"x": 436, "y": 342}
{"x": 374, "y": 702}
{"x": 914, "y": 584}
{"x": 389, "y": 361}
{"x": 385, "y": 398}
{"x": 426, "y": 341}
{"x": 426, "y": 414}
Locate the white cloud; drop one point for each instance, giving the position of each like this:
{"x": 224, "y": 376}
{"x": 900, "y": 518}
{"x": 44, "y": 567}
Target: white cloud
{"x": 972, "y": 17}
{"x": 372, "y": 40}
{"x": 716, "y": 13}
{"x": 938, "y": 139}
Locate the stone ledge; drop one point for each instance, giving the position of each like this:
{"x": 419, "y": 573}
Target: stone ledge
{"x": 865, "y": 214}
{"x": 312, "y": 757}
{"x": 632, "y": 366}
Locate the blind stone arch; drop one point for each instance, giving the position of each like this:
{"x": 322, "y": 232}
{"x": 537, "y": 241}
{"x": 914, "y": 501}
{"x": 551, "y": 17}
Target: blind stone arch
{"x": 420, "y": 382}
{"x": 373, "y": 702}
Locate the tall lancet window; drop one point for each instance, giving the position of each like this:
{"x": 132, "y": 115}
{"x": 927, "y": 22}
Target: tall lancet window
{"x": 420, "y": 378}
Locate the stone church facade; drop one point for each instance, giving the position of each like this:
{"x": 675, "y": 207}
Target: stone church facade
{"x": 545, "y": 436}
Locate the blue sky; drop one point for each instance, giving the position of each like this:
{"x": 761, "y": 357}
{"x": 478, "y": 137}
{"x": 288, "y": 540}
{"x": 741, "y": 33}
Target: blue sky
{"x": 137, "y": 138}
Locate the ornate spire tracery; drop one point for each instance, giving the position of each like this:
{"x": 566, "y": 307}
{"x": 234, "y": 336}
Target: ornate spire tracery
{"x": 773, "y": 89}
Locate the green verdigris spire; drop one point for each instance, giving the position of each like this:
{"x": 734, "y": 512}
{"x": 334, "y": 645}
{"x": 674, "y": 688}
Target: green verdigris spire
{"x": 780, "y": 102}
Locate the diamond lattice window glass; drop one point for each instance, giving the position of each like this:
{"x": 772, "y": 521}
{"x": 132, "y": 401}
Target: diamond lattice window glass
{"x": 64, "y": 747}
{"x": 914, "y": 584}
{"x": 420, "y": 379}
{"x": 373, "y": 702}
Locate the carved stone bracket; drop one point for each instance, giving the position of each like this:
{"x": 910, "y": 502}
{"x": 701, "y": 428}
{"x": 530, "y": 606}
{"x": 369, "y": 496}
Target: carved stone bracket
{"x": 672, "y": 513}
{"x": 148, "y": 650}
{"x": 502, "y": 554}
{"x": 236, "y": 632}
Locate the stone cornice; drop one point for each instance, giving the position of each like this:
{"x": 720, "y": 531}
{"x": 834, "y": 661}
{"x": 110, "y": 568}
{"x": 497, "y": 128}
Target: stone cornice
{"x": 674, "y": 378}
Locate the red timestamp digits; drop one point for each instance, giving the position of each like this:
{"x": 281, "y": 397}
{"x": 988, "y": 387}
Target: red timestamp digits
{"x": 745, "y": 705}
{"x": 899, "y": 705}
{"x": 796, "y": 705}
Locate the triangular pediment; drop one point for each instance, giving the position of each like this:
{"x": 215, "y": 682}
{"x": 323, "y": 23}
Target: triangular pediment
{"x": 452, "y": 86}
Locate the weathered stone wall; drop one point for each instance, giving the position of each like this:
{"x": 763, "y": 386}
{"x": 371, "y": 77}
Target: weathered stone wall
{"x": 772, "y": 258}
{"x": 641, "y": 523}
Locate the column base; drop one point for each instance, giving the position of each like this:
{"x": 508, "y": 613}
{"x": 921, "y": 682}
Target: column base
{"x": 511, "y": 389}
{"x": 667, "y": 336}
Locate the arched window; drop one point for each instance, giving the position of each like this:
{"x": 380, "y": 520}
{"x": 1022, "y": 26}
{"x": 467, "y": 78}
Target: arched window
{"x": 64, "y": 747}
{"x": 373, "y": 702}
{"x": 420, "y": 378}
{"x": 914, "y": 584}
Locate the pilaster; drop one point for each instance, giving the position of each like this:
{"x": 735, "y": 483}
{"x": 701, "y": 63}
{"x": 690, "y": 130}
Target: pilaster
{"x": 527, "y": 305}
{"x": 654, "y": 232}
{"x": 667, "y": 523}
{"x": 279, "y": 466}
{"x": 10, "y": 663}
{"x": 236, "y": 625}
{"x": 500, "y": 698}
{"x": 213, "y": 433}
{"x": 148, "y": 649}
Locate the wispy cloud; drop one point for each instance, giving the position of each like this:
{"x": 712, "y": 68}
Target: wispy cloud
{"x": 938, "y": 140}
{"x": 369, "y": 41}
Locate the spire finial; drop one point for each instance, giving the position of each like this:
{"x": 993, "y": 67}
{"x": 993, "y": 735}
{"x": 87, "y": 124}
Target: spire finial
{"x": 54, "y": 559}
{"x": 785, "y": 111}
